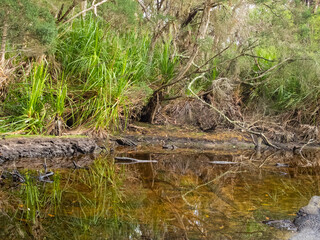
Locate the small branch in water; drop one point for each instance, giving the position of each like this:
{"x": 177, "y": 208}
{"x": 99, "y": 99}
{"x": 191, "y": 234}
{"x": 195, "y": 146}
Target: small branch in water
{"x": 223, "y": 162}
{"x": 77, "y": 166}
{"x": 45, "y": 177}
{"x": 267, "y": 158}
{"x": 134, "y": 160}
{"x": 17, "y": 177}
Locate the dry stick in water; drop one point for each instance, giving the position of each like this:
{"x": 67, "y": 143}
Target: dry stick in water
{"x": 239, "y": 124}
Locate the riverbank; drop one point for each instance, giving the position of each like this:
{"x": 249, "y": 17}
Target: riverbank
{"x": 137, "y": 136}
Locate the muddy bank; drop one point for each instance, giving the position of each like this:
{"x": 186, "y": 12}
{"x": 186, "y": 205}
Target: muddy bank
{"x": 138, "y": 136}
{"x": 41, "y": 147}
{"x": 171, "y": 136}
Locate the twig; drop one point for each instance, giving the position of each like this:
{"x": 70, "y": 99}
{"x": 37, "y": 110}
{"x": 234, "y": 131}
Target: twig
{"x": 254, "y": 56}
{"x": 86, "y": 10}
{"x": 60, "y": 11}
{"x": 266, "y": 72}
{"x": 144, "y": 8}
{"x": 300, "y": 151}
{"x": 239, "y": 124}
{"x": 266, "y": 159}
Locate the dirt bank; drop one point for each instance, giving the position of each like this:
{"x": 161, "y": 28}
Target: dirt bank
{"x": 137, "y": 136}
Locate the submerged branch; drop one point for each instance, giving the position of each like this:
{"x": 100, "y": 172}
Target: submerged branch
{"x": 128, "y": 159}
{"x": 205, "y": 184}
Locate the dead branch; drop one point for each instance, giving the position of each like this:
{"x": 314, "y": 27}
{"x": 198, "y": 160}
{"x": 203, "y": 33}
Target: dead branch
{"x": 94, "y": 6}
{"x": 266, "y": 72}
{"x": 144, "y": 8}
{"x": 194, "y": 12}
{"x": 300, "y": 151}
{"x": 254, "y": 56}
{"x": 128, "y": 159}
{"x": 60, "y": 11}
{"x": 67, "y": 12}
{"x": 241, "y": 125}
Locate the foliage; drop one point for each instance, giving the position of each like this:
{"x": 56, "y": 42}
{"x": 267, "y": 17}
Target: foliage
{"x": 100, "y": 73}
{"x": 103, "y": 65}
{"x": 37, "y": 26}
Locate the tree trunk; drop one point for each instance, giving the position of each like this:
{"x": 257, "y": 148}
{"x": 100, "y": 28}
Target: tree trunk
{"x": 3, "y": 42}
{"x": 149, "y": 111}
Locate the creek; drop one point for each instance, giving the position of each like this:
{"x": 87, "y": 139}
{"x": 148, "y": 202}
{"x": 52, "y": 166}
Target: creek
{"x": 185, "y": 195}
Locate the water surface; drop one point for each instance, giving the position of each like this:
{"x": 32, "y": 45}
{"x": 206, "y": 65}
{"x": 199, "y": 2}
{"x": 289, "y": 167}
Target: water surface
{"x": 182, "y": 196}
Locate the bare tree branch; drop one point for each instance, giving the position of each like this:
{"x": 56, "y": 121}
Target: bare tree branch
{"x": 241, "y": 125}
{"x": 267, "y": 71}
{"x": 86, "y": 10}
{"x": 67, "y": 12}
{"x": 144, "y": 8}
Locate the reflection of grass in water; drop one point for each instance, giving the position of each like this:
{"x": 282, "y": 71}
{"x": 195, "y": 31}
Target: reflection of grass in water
{"x": 102, "y": 204}
{"x": 99, "y": 205}
{"x": 105, "y": 196}
{"x": 39, "y": 198}
{"x": 32, "y": 200}
{"x": 56, "y": 192}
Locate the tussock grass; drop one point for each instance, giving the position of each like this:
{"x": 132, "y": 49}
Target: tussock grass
{"x": 98, "y": 68}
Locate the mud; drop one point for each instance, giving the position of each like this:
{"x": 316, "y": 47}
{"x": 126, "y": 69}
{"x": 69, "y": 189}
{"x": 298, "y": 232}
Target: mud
{"x": 16, "y": 148}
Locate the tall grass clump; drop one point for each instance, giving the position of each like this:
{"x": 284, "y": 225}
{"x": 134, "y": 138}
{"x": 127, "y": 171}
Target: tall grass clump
{"x": 101, "y": 65}
{"x": 166, "y": 62}
{"x": 26, "y": 103}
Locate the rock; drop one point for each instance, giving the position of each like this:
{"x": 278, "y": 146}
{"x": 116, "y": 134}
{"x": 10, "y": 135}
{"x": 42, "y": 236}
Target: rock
{"x": 282, "y": 224}
{"x": 306, "y": 223}
{"x": 309, "y": 216}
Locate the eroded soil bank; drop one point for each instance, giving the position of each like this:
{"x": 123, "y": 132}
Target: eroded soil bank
{"x": 137, "y": 136}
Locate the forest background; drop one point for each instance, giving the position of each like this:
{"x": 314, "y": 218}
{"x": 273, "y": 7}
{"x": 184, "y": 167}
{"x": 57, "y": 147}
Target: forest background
{"x": 98, "y": 65}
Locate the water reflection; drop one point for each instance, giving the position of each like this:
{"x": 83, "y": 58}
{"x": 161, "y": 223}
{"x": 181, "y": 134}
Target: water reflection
{"x": 182, "y": 196}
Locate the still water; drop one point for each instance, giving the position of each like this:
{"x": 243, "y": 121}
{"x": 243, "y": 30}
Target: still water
{"x": 182, "y": 196}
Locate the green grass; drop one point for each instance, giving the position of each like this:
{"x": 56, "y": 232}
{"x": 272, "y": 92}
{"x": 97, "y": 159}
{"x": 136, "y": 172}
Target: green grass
{"x": 98, "y": 69}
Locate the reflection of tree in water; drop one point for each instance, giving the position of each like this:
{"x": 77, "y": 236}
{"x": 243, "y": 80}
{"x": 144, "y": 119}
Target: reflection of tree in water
{"x": 178, "y": 174}
{"x": 183, "y": 196}
{"x": 233, "y": 199}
